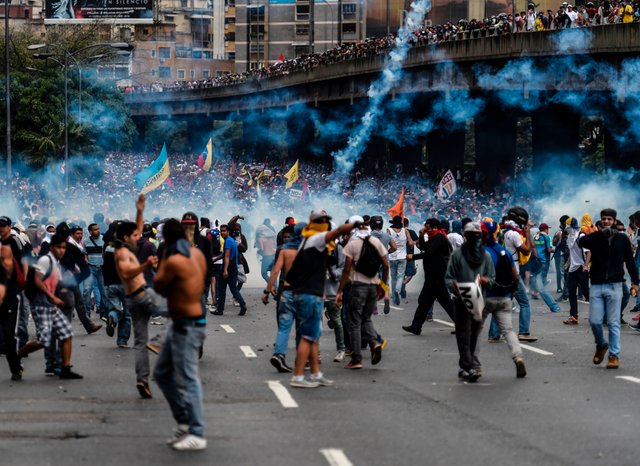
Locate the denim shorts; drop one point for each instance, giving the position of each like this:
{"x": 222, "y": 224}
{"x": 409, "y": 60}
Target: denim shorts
{"x": 308, "y": 310}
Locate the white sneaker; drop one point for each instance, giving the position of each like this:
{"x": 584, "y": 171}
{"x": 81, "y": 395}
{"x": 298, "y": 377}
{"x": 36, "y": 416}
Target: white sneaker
{"x": 178, "y": 433}
{"x": 236, "y": 303}
{"x": 304, "y": 383}
{"x": 339, "y": 357}
{"x": 158, "y": 320}
{"x": 190, "y": 442}
{"x": 322, "y": 381}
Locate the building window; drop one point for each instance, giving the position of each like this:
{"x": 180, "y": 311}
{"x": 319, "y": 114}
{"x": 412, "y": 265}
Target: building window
{"x": 153, "y": 53}
{"x": 184, "y": 3}
{"x": 349, "y": 11}
{"x": 205, "y": 74}
{"x": 231, "y": 55}
{"x": 197, "y": 54}
{"x": 153, "y": 73}
{"x": 182, "y": 52}
{"x": 165, "y": 52}
{"x": 207, "y": 54}
{"x": 193, "y": 74}
{"x": 164, "y": 72}
{"x": 180, "y": 74}
{"x": 302, "y": 29}
{"x": 349, "y": 28}
{"x": 302, "y": 12}
{"x": 300, "y": 50}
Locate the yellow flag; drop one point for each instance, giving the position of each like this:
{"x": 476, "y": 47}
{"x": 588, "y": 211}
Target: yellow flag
{"x": 292, "y": 175}
{"x": 209, "y": 159}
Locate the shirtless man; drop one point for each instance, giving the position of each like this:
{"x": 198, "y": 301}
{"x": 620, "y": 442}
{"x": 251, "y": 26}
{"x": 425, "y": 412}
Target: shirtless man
{"x": 141, "y": 300}
{"x": 285, "y": 310}
{"x": 180, "y": 278}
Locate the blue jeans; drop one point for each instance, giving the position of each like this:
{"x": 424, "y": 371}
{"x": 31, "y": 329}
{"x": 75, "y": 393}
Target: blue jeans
{"x": 538, "y": 285}
{"x": 285, "y": 313}
{"x": 176, "y": 374}
{"x": 604, "y": 301}
{"x": 396, "y": 275}
{"x": 557, "y": 260}
{"x": 94, "y": 283}
{"x": 267, "y": 265}
{"x": 525, "y": 309}
{"x": 544, "y": 271}
{"x": 114, "y": 307}
{"x": 308, "y": 308}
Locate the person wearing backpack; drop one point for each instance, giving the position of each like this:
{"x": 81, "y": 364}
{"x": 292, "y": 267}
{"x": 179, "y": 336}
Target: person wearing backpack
{"x": 559, "y": 242}
{"x": 499, "y": 298}
{"x": 579, "y": 259}
{"x": 364, "y": 255}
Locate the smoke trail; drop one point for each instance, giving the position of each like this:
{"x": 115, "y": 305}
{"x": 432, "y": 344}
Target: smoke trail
{"x": 345, "y": 159}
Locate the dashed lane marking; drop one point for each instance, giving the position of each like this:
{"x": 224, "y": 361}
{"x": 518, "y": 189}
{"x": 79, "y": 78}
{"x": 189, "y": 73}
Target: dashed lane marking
{"x": 228, "y": 328}
{"x": 283, "y": 395}
{"x": 248, "y": 352}
{"x": 335, "y": 457}
{"x": 527, "y": 347}
{"x": 628, "y": 378}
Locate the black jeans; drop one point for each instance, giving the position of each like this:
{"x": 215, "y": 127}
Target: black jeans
{"x": 221, "y": 295}
{"x": 432, "y": 290}
{"x": 8, "y": 323}
{"x": 577, "y": 278}
{"x": 467, "y": 331}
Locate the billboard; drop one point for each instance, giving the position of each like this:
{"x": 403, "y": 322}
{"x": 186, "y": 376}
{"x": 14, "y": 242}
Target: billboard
{"x": 77, "y": 11}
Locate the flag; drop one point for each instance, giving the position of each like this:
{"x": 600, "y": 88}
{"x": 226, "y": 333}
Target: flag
{"x": 292, "y": 175}
{"x": 155, "y": 174}
{"x": 447, "y": 186}
{"x": 281, "y": 57}
{"x": 398, "y": 208}
{"x": 209, "y": 156}
{"x": 63, "y": 168}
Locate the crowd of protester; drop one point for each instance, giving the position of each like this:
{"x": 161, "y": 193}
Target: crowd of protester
{"x": 567, "y": 16}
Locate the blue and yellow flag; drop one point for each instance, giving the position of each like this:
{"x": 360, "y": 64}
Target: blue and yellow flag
{"x": 155, "y": 174}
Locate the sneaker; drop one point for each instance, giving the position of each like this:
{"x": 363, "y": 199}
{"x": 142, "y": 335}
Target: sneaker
{"x": 527, "y": 337}
{"x": 218, "y": 313}
{"x": 278, "y": 361}
{"x": 322, "y": 381}
{"x": 243, "y": 311}
{"x": 410, "y": 329}
{"x": 154, "y": 347}
{"x": 339, "y": 356}
{"x": 635, "y": 327}
{"x": 178, "y": 433}
{"x": 562, "y": 299}
{"x": 330, "y": 323}
{"x": 386, "y": 309}
{"x": 376, "y": 354}
{"x": 67, "y": 374}
{"x": 212, "y": 310}
{"x": 601, "y": 351}
{"x": 403, "y": 292}
{"x": 472, "y": 376}
{"x": 613, "y": 362}
{"x": 571, "y": 321}
{"x": 17, "y": 377}
{"x": 559, "y": 290}
{"x": 190, "y": 442}
{"x": 396, "y": 298}
{"x": 555, "y": 310}
{"x": 623, "y": 322}
{"x": 521, "y": 371}
{"x": 144, "y": 390}
{"x": 494, "y": 340}
{"x": 111, "y": 326}
{"x": 236, "y": 303}
{"x": 535, "y": 295}
{"x": 123, "y": 346}
{"x": 462, "y": 374}
{"x": 51, "y": 370}
{"x": 94, "y": 329}
{"x": 635, "y": 308}
{"x": 354, "y": 365}
{"x": 304, "y": 383}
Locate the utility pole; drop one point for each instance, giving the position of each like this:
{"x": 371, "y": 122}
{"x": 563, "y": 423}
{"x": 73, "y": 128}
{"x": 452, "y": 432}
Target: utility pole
{"x": 312, "y": 26}
{"x": 7, "y": 63}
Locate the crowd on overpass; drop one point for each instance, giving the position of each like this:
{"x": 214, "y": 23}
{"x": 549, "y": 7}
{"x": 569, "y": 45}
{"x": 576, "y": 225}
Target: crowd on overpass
{"x": 567, "y": 16}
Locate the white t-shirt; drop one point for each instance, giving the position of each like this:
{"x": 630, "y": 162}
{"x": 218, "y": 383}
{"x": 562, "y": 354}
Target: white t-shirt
{"x": 400, "y": 238}
{"x": 353, "y": 249}
{"x": 512, "y": 241}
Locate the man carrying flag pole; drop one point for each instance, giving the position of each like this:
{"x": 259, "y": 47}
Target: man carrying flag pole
{"x": 155, "y": 174}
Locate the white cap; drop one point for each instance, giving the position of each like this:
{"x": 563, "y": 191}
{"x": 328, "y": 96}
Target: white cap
{"x": 356, "y": 219}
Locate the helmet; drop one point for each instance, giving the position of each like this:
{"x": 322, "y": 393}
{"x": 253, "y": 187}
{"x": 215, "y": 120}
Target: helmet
{"x": 518, "y": 215}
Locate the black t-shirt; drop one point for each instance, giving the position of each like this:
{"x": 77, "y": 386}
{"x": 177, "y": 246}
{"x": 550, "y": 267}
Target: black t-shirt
{"x": 16, "y": 247}
{"x": 314, "y": 266}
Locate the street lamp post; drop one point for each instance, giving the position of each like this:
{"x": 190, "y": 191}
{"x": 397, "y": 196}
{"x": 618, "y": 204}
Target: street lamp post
{"x": 7, "y": 62}
{"x": 65, "y": 66}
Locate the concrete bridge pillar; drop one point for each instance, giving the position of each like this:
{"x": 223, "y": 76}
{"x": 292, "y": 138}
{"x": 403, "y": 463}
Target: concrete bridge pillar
{"x": 495, "y": 143}
{"x": 555, "y": 135}
{"x": 445, "y": 149}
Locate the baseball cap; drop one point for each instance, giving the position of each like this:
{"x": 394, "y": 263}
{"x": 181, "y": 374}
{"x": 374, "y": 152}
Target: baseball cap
{"x": 74, "y": 227}
{"x": 376, "y": 221}
{"x": 472, "y": 227}
{"x": 290, "y": 221}
{"x": 189, "y": 218}
{"x": 356, "y": 219}
{"x": 543, "y": 226}
{"x": 5, "y": 221}
{"x": 318, "y": 215}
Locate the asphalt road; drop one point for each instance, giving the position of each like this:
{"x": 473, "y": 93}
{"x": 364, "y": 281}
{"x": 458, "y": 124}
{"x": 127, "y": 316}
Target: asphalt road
{"x": 409, "y": 409}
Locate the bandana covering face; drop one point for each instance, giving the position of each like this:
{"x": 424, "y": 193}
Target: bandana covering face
{"x": 435, "y": 232}
{"x": 361, "y": 234}
{"x": 586, "y": 225}
{"x": 314, "y": 228}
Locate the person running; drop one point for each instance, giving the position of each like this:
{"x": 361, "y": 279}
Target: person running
{"x": 398, "y": 258}
{"x": 467, "y": 263}
{"x": 610, "y": 251}
{"x": 307, "y": 275}
{"x": 364, "y": 256}
{"x": 229, "y": 274}
{"x": 141, "y": 301}
{"x": 181, "y": 278}
{"x": 285, "y": 312}
{"x": 9, "y": 305}
{"x": 579, "y": 259}
{"x": 376, "y": 223}
{"x": 47, "y": 315}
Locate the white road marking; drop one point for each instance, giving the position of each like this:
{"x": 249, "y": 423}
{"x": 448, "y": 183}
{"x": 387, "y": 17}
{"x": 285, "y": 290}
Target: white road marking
{"x": 228, "y": 328}
{"x": 283, "y": 395}
{"x": 628, "y": 378}
{"x": 248, "y": 352}
{"x": 336, "y": 457}
{"x": 536, "y": 350}
{"x": 527, "y": 347}
{"x": 444, "y": 322}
